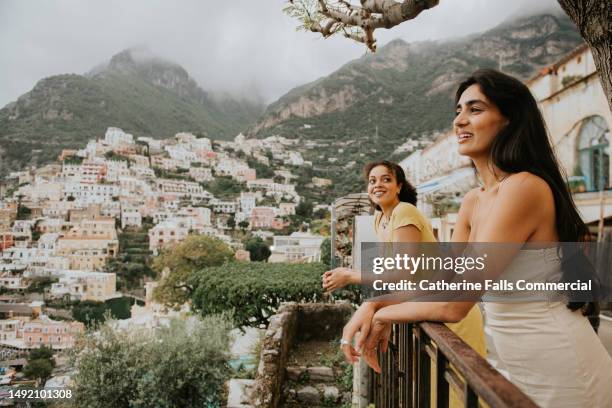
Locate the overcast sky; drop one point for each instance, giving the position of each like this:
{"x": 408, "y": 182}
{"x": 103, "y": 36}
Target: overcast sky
{"x": 235, "y": 45}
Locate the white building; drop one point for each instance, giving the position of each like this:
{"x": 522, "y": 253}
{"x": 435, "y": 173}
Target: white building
{"x": 286, "y": 209}
{"x": 142, "y": 171}
{"x": 294, "y": 159}
{"x": 44, "y": 190}
{"x": 224, "y": 207}
{"x": 86, "y": 172}
{"x": 83, "y": 285}
{"x": 201, "y": 174}
{"x": 115, "y": 137}
{"x": 297, "y": 247}
{"x": 116, "y": 169}
{"x": 86, "y": 194}
{"x": 247, "y": 202}
{"x": 130, "y": 217}
{"x": 153, "y": 144}
{"x": 182, "y": 188}
{"x": 180, "y": 153}
{"x": 48, "y": 242}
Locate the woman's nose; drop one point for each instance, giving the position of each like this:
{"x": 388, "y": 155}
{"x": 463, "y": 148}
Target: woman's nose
{"x": 460, "y": 120}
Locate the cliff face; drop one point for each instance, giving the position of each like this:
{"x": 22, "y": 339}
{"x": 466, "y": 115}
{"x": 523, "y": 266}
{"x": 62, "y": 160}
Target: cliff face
{"x": 135, "y": 90}
{"x": 406, "y": 89}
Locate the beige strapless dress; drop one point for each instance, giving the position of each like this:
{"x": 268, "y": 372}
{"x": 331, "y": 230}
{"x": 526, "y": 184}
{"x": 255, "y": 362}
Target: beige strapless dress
{"x": 551, "y": 353}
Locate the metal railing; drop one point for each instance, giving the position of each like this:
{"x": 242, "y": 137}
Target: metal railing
{"x": 421, "y": 352}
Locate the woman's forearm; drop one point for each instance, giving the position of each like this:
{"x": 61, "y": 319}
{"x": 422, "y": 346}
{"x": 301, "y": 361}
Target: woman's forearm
{"x": 355, "y": 277}
{"x": 408, "y": 312}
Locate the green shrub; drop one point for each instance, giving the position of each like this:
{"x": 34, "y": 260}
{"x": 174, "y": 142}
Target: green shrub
{"x": 182, "y": 365}
{"x": 92, "y": 313}
{"x": 253, "y": 291}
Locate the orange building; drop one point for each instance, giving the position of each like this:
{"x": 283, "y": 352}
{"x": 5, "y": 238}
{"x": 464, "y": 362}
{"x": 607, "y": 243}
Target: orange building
{"x": 6, "y": 240}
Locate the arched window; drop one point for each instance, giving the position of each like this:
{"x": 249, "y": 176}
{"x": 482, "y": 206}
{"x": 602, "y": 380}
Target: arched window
{"x": 593, "y": 142}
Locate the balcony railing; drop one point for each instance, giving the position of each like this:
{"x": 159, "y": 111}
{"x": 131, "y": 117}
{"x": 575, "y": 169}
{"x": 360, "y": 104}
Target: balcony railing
{"x": 408, "y": 369}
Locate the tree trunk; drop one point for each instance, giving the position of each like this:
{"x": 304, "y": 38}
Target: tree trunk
{"x": 593, "y": 19}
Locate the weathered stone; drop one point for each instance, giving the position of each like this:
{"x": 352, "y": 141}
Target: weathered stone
{"x": 279, "y": 334}
{"x": 321, "y": 373}
{"x": 347, "y": 397}
{"x": 294, "y": 373}
{"x": 330, "y": 393}
{"x": 239, "y": 393}
{"x": 309, "y": 395}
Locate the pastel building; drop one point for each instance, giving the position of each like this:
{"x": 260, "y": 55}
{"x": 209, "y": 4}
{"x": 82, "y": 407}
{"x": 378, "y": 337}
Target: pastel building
{"x": 166, "y": 233}
{"x": 54, "y": 334}
{"x": 83, "y": 285}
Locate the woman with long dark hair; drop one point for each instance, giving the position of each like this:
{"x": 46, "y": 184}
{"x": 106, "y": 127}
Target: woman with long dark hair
{"x": 547, "y": 348}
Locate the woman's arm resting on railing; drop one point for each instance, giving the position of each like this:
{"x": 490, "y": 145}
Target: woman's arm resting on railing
{"x": 408, "y": 312}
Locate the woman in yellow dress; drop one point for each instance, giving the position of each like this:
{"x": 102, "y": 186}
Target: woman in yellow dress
{"x": 398, "y": 220}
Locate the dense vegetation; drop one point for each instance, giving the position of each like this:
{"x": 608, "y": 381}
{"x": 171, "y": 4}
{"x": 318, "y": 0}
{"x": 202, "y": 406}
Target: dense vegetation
{"x": 183, "y": 365}
{"x": 132, "y": 263}
{"x": 224, "y": 187}
{"x": 92, "y": 313}
{"x": 40, "y": 364}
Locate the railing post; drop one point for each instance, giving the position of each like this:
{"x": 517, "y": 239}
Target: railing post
{"x": 470, "y": 397}
{"x": 442, "y": 386}
{"x": 424, "y": 378}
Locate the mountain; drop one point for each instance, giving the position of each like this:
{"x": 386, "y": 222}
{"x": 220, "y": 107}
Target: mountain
{"x": 136, "y": 91}
{"x": 407, "y": 89}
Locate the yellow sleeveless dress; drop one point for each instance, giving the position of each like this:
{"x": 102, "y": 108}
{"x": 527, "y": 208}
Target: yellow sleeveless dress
{"x": 470, "y": 329}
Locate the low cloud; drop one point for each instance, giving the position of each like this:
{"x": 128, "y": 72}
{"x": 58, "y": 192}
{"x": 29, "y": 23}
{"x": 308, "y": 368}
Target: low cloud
{"x": 243, "y": 47}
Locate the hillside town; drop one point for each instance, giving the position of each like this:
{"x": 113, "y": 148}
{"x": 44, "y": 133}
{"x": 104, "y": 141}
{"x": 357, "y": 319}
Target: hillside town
{"x": 61, "y": 225}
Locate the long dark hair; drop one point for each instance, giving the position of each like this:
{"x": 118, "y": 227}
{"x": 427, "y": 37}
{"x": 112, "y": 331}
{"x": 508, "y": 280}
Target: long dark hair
{"x": 407, "y": 194}
{"x": 523, "y": 145}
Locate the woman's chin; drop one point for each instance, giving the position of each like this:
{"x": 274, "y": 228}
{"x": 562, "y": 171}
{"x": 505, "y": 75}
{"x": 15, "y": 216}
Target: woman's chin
{"x": 464, "y": 150}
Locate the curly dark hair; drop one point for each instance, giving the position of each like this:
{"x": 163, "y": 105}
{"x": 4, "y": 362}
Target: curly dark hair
{"x": 408, "y": 193}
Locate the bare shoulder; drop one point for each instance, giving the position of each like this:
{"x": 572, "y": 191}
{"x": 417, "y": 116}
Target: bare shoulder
{"x": 524, "y": 195}
{"x": 469, "y": 200}
{"x": 527, "y": 186}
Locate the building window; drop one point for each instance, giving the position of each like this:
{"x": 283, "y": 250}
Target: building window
{"x": 594, "y": 159}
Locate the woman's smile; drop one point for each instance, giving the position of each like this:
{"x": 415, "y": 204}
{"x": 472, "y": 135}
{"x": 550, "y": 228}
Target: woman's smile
{"x": 383, "y": 188}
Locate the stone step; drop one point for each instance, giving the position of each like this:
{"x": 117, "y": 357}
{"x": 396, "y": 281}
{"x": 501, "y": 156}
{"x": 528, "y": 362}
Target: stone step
{"x": 315, "y": 395}
{"x": 310, "y": 374}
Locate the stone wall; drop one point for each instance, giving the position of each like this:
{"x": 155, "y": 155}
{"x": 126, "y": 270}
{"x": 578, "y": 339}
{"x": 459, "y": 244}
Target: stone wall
{"x": 308, "y": 321}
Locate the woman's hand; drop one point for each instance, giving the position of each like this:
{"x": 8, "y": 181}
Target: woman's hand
{"x": 360, "y": 322}
{"x": 379, "y": 335}
{"x": 339, "y": 278}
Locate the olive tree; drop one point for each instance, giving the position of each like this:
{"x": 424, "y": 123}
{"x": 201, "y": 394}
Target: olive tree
{"x": 177, "y": 263}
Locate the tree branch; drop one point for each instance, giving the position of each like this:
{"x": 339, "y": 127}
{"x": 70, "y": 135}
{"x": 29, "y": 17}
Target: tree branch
{"x": 356, "y": 22}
